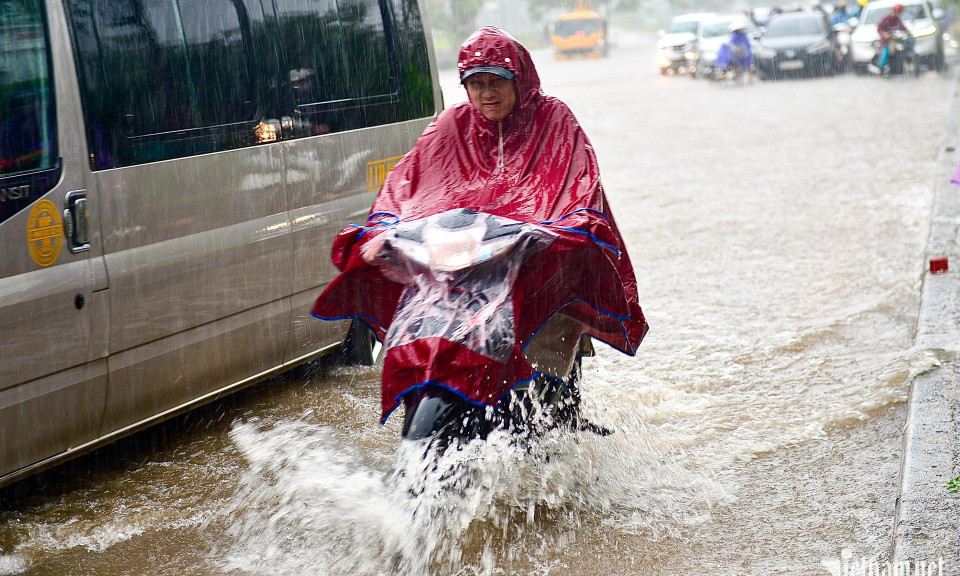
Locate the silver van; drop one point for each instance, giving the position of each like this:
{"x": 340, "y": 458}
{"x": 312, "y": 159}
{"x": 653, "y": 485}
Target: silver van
{"x": 172, "y": 173}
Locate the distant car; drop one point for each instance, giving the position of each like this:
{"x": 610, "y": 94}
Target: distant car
{"x": 799, "y": 43}
{"x": 924, "y": 22}
{"x": 676, "y": 40}
{"x": 711, "y": 34}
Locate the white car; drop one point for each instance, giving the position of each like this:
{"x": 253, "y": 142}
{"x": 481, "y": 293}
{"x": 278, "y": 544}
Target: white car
{"x": 676, "y": 40}
{"x": 924, "y": 22}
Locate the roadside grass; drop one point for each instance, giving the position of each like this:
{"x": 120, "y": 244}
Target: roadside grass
{"x": 953, "y": 486}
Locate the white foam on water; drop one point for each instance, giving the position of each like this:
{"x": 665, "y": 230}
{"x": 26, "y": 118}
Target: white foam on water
{"x": 313, "y": 502}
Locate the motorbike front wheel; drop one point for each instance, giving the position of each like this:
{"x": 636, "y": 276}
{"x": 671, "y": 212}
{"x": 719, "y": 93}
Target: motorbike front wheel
{"x": 439, "y": 414}
{"x": 911, "y": 65}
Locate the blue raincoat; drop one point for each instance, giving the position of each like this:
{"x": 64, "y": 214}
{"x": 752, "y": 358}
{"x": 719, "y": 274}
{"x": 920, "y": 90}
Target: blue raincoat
{"x": 735, "y": 50}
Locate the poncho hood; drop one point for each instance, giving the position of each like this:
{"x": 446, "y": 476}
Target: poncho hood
{"x": 490, "y": 46}
{"x": 535, "y": 166}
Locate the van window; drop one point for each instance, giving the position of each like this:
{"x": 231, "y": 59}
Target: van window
{"x": 27, "y": 122}
{"x": 164, "y": 79}
{"x": 26, "y": 92}
{"x": 337, "y": 60}
{"x": 158, "y": 75}
{"x": 165, "y": 61}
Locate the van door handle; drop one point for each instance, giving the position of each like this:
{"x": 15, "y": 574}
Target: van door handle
{"x": 76, "y": 221}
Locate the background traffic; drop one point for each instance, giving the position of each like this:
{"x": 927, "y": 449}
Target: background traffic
{"x": 815, "y": 40}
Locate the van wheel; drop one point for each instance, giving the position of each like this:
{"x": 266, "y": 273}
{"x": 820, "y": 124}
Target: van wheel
{"x": 357, "y": 349}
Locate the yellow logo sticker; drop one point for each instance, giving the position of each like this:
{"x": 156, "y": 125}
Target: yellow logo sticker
{"x": 44, "y": 233}
{"x": 377, "y": 172}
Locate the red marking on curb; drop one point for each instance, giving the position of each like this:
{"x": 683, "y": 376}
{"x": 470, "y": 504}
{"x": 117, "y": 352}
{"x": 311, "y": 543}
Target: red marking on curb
{"x": 938, "y": 265}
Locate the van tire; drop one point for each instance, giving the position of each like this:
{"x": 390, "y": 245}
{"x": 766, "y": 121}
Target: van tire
{"x": 357, "y": 348}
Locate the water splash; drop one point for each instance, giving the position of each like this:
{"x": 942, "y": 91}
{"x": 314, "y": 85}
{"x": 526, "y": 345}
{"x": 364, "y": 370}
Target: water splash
{"x": 314, "y": 501}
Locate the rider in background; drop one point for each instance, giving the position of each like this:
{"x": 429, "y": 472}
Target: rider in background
{"x": 736, "y": 51}
{"x": 840, "y": 14}
{"x": 887, "y": 26}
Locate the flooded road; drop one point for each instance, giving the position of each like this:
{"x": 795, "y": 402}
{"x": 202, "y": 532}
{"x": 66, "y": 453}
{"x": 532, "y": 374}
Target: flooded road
{"x": 778, "y": 235}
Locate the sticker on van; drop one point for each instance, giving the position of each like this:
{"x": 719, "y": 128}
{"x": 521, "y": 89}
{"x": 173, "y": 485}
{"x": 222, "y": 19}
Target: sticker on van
{"x": 44, "y": 233}
{"x": 377, "y": 172}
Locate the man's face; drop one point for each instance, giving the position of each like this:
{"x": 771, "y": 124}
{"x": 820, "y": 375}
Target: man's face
{"x": 492, "y": 95}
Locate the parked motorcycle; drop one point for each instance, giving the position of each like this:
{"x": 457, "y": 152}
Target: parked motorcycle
{"x": 458, "y": 269}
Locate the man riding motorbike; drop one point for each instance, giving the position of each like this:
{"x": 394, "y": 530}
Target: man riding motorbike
{"x": 515, "y": 153}
{"x": 888, "y": 25}
{"x": 735, "y": 56}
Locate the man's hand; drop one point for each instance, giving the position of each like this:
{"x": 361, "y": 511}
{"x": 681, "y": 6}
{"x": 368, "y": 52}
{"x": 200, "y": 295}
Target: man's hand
{"x": 371, "y": 248}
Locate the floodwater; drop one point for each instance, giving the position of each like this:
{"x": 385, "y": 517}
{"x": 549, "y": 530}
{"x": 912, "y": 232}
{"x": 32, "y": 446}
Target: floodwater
{"x": 778, "y": 233}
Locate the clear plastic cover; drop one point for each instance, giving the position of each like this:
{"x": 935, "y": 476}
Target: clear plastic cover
{"x": 458, "y": 268}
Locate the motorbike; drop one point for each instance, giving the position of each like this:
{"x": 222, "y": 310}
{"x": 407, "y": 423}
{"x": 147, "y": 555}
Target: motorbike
{"x": 458, "y": 269}
{"x": 901, "y": 57}
{"x": 733, "y": 74}
{"x": 729, "y": 66}
{"x": 843, "y": 31}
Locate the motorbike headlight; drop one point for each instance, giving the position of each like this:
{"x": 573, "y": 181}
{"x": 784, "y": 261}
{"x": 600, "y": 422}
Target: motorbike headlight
{"x": 928, "y": 31}
{"x": 819, "y": 47}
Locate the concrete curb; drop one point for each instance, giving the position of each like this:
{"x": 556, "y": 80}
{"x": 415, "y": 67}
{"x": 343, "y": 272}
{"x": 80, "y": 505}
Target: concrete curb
{"x": 927, "y": 517}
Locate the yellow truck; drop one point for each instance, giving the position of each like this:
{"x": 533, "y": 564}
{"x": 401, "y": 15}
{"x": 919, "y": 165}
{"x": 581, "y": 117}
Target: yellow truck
{"x": 581, "y": 33}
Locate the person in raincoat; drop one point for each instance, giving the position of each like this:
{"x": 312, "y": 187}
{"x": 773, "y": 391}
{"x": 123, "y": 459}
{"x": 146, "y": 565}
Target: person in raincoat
{"x": 515, "y": 152}
{"x": 736, "y": 51}
{"x": 840, "y": 14}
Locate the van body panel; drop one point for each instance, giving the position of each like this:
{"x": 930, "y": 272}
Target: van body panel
{"x": 178, "y": 245}
{"x": 193, "y": 240}
{"x": 50, "y": 415}
{"x": 331, "y": 186}
{"x": 158, "y": 377}
{"x": 306, "y": 333}
{"x": 52, "y": 331}
{"x": 199, "y": 257}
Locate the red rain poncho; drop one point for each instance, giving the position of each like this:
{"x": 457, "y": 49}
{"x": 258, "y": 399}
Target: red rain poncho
{"x": 535, "y": 166}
